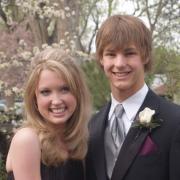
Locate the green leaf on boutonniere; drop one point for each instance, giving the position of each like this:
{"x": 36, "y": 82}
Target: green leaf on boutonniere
{"x": 146, "y": 121}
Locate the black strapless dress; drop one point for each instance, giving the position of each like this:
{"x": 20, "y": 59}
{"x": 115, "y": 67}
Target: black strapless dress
{"x": 70, "y": 170}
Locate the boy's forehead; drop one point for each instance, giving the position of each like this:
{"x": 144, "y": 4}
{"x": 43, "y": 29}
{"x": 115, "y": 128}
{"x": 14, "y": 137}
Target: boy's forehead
{"x": 113, "y": 47}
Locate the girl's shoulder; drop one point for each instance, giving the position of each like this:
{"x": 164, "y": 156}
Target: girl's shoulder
{"x": 25, "y": 136}
{"x": 25, "y": 151}
{"x": 25, "y": 140}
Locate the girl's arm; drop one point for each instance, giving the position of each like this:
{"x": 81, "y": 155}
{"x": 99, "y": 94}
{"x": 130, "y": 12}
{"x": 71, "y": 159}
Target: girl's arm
{"x": 25, "y": 155}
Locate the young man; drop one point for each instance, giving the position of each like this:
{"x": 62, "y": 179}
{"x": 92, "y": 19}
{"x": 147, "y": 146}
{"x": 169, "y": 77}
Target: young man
{"x": 138, "y": 144}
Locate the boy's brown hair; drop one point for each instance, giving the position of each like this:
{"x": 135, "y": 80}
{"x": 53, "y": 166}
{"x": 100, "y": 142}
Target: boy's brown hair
{"x": 121, "y": 31}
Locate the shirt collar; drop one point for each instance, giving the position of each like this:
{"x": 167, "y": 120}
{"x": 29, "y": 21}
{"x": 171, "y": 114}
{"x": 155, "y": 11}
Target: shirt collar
{"x": 132, "y": 104}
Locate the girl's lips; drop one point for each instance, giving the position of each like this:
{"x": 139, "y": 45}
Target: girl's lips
{"x": 58, "y": 110}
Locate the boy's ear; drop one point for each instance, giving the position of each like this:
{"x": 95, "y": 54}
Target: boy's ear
{"x": 101, "y": 61}
{"x": 146, "y": 61}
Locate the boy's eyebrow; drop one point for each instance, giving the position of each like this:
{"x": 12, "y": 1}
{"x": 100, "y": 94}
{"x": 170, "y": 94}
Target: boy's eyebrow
{"x": 130, "y": 49}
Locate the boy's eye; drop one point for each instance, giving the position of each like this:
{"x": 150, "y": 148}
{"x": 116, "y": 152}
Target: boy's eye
{"x": 45, "y": 92}
{"x": 130, "y": 53}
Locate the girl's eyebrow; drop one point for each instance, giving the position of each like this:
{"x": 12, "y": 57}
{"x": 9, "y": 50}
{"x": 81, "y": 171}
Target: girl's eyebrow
{"x": 109, "y": 50}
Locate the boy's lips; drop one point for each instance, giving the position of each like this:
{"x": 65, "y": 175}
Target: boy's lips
{"x": 121, "y": 74}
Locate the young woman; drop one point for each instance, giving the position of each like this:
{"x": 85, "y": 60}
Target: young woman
{"x": 53, "y": 140}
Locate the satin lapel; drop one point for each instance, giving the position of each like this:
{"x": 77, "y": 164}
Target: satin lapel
{"x": 98, "y": 143}
{"x": 128, "y": 152}
{"x": 133, "y": 141}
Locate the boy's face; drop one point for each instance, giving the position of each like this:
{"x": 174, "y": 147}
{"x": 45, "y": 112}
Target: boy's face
{"x": 124, "y": 70}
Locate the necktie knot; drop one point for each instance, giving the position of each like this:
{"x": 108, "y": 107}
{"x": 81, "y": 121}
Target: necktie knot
{"x": 118, "y": 111}
{"x": 118, "y": 128}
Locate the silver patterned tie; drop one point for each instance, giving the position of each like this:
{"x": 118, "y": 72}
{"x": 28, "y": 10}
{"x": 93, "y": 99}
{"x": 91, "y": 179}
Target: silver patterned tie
{"x": 114, "y": 137}
{"x": 118, "y": 128}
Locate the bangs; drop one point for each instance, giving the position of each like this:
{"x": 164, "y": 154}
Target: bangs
{"x": 66, "y": 74}
{"x": 121, "y": 37}
{"x": 119, "y": 33}
{"x": 115, "y": 42}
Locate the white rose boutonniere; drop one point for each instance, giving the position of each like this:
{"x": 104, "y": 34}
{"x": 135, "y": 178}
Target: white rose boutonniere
{"x": 145, "y": 116}
{"x": 145, "y": 120}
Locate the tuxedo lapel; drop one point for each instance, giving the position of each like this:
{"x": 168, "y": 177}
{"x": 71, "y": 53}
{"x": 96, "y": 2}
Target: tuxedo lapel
{"x": 129, "y": 150}
{"x": 98, "y": 146}
{"x": 133, "y": 141}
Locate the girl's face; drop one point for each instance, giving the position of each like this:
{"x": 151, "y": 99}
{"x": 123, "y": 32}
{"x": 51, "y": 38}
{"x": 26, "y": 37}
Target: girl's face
{"x": 55, "y": 102}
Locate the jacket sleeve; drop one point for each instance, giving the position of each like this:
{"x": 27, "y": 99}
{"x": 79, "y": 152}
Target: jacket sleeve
{"x": 174, "y": 163}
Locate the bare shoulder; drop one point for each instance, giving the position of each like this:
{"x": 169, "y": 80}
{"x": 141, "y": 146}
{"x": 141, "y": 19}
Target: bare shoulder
{"x": 25, "y": 135}
{"x": 26, "y": 139}
{"x": 24, "y": 146}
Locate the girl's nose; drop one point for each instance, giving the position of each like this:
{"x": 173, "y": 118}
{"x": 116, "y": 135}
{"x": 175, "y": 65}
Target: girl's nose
{"x": 56, "y": 99}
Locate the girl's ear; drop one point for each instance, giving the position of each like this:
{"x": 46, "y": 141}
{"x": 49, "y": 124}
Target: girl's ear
{"x": 101, "y": 61}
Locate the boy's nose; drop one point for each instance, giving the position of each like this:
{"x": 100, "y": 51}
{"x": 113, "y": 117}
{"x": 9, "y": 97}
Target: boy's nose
{"x": 120, "y": 60}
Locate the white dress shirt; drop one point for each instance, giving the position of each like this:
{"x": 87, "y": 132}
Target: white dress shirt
{"x": 131, "y": 106}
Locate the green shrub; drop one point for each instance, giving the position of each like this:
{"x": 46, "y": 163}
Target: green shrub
{"x": 97, "y": 83}
{"x": 2, "y": 169}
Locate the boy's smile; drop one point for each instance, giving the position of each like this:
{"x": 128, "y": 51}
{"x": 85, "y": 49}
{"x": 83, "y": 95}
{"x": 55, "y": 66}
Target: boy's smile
{"x": 124, "y": 70}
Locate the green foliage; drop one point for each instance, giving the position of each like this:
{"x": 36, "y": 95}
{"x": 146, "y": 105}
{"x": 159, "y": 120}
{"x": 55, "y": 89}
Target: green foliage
{"x": 10, "y": 116}
{"x": 2, "y": 169}
{"x": 97, "y": 83}
{"x": 149, "y": 78}
{"x": 160, "y": 60}
{"x": 8, "y": 121}
{"x": 167, "y": 62}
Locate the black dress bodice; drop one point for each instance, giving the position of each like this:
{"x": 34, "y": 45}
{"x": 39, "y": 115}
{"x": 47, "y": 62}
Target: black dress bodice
{"x": 70, "y": 170}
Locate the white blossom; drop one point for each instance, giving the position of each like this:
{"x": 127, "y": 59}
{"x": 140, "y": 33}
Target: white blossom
{"x": 66, "y": 33}
{"x": 8, "y": 92}
{"x": 26, "y": 55}
{"x": 67, "y": 8}
{"x": 62, "y": 42}
{"x": 44, "y": 46}
{"x": 17, "y": 63}
{"x": 36, "y": 50}
{"x": 4, "y": 65}
{"x": 55, "y": 4}
{"x": 68, "y": 14}
{"x": 55, "y": 45}
{"x": 62, "y": 14}
{"x": 73, "y": 13}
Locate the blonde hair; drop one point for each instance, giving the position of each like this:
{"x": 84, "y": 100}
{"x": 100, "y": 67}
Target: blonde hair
{"x": 120, "y": 31}
{"x": 75, "y": 131}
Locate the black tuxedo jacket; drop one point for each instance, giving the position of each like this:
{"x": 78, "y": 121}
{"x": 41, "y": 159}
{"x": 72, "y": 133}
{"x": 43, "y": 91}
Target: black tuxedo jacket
{"x": 162, "y": 163}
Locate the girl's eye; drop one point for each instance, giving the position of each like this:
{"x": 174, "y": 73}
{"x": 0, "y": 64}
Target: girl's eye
{"x": 109, "y": 54}
{"x": 45, "y": 92}
{"x": 65, "y": 89}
